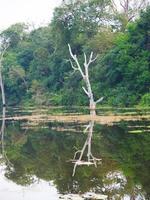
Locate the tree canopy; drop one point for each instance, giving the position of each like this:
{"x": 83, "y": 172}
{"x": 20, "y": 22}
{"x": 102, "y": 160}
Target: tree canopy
{"x": 36, "y": 66}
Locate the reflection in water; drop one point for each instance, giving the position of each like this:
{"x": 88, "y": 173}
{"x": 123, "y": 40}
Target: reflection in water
{"x": 2, "y": 132}
{"x": 91, "y": 160}
{"x": 41, "y": 154}
{"x": 11, "y": 191}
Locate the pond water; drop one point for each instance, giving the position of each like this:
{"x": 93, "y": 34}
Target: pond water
{"x": 36, "y": 160}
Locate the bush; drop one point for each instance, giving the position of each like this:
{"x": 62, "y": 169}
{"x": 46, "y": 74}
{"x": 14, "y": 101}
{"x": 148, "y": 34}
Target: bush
{"x": 145, "y": 100}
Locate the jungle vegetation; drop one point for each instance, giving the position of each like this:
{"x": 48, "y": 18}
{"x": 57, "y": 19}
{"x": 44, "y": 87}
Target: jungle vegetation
{"x": 36, "y": 68}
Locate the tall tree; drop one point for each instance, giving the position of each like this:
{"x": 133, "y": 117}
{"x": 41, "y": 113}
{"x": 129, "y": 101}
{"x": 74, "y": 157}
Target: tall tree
{"x": 3, "y": 48}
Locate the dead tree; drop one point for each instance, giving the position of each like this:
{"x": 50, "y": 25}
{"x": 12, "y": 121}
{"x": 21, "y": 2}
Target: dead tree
{"x": 85, "y": 75}
{"x": 91, "y": 160}
{"x": 130, "y": 8}
{"x": 2, "y": 52}
{"x": 3, "y": 49}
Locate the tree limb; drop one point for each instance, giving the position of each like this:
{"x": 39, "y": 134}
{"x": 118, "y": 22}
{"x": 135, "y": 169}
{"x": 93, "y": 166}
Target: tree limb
{"x": 86, "y": 92}
{"x": 75, "y": 68}
{"x": 90, "y": 59}
{"x": 99, "y": 100}
{"x": 74, "y": 57}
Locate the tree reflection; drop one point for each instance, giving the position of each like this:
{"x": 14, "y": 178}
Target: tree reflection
{"x": 41, "y": 153}
{"x": 91, "y": 160}
{"x": 2, "y": 133}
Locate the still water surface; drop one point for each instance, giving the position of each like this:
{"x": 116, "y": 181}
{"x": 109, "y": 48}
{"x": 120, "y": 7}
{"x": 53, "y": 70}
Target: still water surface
{"x": 36, "y": 161}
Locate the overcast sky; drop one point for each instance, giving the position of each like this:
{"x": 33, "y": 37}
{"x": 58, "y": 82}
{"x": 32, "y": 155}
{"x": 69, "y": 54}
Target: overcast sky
{"x": 31, "y": 11}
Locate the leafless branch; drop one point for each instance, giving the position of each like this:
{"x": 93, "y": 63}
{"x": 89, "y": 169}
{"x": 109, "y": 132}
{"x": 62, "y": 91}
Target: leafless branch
{"x": 91, "y": 59}
{"x": 74, "y": 57}
{"x": 114, "y": 6}
{"x": 74, "y": 68}
{"x": 99, "y": 100}
{"x": 85, "y": 59}
{"x": 131, "y": 8}
{"x": 86, "y": 92}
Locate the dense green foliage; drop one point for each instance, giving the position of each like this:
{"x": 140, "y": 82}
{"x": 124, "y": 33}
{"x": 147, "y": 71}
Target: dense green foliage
{"x": 36, "y": 67}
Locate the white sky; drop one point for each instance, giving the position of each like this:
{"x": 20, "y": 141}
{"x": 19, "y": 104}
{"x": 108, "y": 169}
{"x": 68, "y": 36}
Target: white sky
{"x": 31, "y": 11}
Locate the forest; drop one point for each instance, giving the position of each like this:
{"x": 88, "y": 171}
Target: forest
{"x": 36, "y": 67}
{"x": 75, "y": 101}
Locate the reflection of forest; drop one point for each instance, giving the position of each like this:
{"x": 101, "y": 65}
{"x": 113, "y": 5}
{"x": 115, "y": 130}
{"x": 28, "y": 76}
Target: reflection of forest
{"x": 44, "y": 152}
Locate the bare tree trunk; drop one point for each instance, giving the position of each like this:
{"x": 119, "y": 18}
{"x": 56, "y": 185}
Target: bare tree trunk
{"x": 1, "y": 79}
{"x": 3, "y": 123}
{"x": 92, "y": 108}
{"x": 85, "y": 75}
{"x": 2, "y": 52}
{"x": 2, "y": 90}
